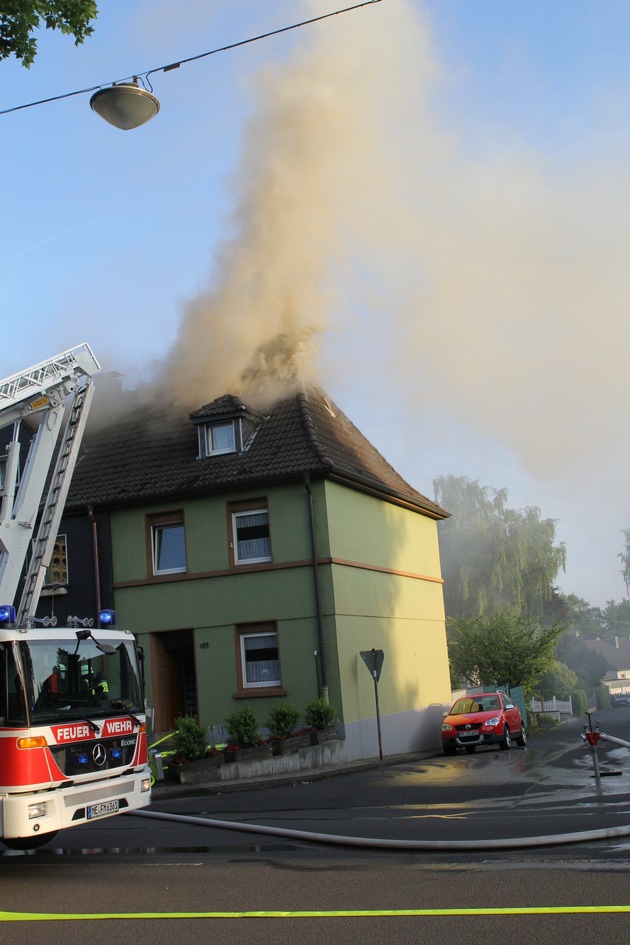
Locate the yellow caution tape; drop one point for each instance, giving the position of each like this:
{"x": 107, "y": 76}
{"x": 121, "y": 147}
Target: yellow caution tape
{"x": 310, "y": 914}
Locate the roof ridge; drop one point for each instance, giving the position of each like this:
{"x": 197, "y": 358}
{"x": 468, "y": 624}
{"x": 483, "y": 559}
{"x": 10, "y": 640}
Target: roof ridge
{"x": 309, "y": 428}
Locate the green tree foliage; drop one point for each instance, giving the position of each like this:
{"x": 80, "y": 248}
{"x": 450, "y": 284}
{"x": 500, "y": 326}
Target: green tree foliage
{"x": 558, "y": 681}
{"x": 625, "y": 559}
{"x": 506, "y": 648}
{"x": 616, "y": 619}
{"x": 20, "y": 19}
{"x": 589, "y": 665}
{"x": 576, "y": 614}
{"x": 494, "y": 558}
{"x": 583, "y": 623}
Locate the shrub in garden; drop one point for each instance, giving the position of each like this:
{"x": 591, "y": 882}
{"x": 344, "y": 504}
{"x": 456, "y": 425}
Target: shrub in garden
{"x": 283, "y": 717}
{"x": 579, "y": 700}
{"x": 319, "y": 714}
{"x": 189, "y": 741}
{"x": 243, "y": 728}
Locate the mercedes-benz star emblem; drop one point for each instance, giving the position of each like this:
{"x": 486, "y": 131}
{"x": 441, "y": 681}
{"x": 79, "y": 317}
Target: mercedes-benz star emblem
{"x": 99, "y": 755}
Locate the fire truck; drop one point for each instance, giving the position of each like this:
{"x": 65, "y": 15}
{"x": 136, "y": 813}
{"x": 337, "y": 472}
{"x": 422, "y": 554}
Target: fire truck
{"x": 73, "y": 744}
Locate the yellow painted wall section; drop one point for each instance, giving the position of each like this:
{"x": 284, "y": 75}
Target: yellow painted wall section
{"x": 365, "y": 528}
{"x": 388, "y": 595}
{"x": 415, "y": 668}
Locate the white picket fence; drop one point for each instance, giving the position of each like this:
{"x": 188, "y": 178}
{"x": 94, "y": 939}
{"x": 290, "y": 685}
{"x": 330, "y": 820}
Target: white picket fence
{"x": 564, "y": 706}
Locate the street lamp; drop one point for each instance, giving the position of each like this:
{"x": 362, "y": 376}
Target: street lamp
{"x": 126, "y": 105}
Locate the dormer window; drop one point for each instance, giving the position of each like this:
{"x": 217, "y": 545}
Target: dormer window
{"x": 225, "y": 436}
{"x": 220, "y": 438}
{"x": 225, "y": 426}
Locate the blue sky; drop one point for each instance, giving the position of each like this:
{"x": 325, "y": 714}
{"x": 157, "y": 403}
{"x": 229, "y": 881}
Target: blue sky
{"x": 436, "y": 190}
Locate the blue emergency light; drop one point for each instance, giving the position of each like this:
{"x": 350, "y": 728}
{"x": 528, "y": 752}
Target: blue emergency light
{"x": 8, "y": 614}
{"x": 107, "y": 618}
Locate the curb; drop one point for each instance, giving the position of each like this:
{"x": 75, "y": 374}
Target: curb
{"x": 164, "y": 790}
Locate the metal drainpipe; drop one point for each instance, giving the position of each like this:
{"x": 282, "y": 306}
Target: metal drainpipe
{"x": 318, "y": 603}
{"x": 97, "y": 578}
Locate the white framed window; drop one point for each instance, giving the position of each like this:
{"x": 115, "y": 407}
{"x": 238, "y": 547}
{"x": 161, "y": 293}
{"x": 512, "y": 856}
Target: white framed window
{"x": 250, "y": 536}
{"x": 226, "y": 436}
{"x": 168, "y": 546}
{"x": 220, "y": 438}
{"x": 260, "y": 661}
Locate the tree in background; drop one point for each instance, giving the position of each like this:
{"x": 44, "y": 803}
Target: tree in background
{"x": 504, "y": 648}
{"x": 616, "y": 620}
{"x": 576, "y": 614}
{"x": 494, "y": 558}
{"x": 589, "y": 666}
{"x": 19, "y": 19}
{"x": 559, "y": 681}
{"x": 625, "y": 560}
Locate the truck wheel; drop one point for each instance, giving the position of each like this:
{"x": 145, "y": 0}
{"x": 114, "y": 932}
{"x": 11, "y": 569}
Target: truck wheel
{"x": 28, "y": 843}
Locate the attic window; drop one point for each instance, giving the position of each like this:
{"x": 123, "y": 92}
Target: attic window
{"x": 220, "y": 438}
{"x": 227, "y": 436}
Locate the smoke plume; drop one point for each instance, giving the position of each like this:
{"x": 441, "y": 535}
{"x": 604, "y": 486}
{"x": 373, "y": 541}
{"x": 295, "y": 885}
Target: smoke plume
{"x": 487, "y": 284}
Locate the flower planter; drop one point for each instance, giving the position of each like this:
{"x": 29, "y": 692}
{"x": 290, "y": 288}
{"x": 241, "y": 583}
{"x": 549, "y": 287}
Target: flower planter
{"x": 295, "y": 742}
{"x": 247, "y": 754}
{"x": 195, "y": 771}
{"x": 284, "y": 746}
{"x": 323, "y": 735}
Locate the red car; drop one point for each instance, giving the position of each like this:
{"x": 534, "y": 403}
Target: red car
{"x": 487, "y": 718}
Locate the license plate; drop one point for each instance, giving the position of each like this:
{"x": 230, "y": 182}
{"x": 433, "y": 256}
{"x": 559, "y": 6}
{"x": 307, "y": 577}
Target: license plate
{"x": 469, "y": 735}
{"x": 102, "y": 810}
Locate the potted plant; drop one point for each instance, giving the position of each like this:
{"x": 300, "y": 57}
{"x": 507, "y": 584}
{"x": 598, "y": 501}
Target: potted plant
{"x": 189, "y": 740}
{"x": 283, "y": 717}
{"x": 320, "y": 715}
{"x": 192, "y": 759}
{"x": 243, "y": 734}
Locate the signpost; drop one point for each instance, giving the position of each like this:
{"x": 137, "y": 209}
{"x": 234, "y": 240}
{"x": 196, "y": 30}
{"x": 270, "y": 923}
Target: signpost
{"x": 373, "y": 659}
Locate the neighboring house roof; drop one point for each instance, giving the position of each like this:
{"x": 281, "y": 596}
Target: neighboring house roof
{"x": 152, "y": 453}
{"x": 616, "y": 654}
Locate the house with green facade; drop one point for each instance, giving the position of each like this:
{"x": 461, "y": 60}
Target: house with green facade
{"x": 255, "y": 555}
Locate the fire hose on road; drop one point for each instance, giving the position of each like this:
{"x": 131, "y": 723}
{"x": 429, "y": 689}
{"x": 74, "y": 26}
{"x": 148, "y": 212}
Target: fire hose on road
{"x": 590, "y": 737}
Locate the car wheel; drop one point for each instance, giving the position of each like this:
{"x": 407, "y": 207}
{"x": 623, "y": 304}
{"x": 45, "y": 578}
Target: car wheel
{"x": 448, "y": 749}
{"x": 506, "y": 742}
{"x": 521, "y": 738}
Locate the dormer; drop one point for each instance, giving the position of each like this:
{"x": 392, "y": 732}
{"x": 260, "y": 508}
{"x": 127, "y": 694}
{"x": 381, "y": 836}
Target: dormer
{"x": 224, "y": 426}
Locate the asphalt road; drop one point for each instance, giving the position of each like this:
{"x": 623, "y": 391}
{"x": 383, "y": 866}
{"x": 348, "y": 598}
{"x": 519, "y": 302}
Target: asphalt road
{"x": 140, "y": 879}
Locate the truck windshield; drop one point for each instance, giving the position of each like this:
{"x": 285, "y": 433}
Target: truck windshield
{"x": 84, "y": 682}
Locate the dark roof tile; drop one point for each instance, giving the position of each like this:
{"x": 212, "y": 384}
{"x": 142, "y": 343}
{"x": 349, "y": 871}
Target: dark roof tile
{"x": 151, "y": 453}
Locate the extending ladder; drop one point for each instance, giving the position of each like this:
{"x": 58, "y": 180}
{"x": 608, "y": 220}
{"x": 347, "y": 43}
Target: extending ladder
{"x": 44, "y": 541}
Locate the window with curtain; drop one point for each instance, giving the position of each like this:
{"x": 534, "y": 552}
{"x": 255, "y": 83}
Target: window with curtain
{"x": 169, "y": 548}
{"x": 251, "y": 536}
{"x": 260, "y": 664}
{"x": 220, "y": 438}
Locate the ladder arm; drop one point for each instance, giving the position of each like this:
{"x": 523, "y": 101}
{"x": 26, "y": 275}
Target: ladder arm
{"x": 40, "y": 390}
{"x": 55, "y": 502}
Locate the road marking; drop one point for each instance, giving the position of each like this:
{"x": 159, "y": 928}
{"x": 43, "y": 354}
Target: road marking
{"x": 308, "y": 914}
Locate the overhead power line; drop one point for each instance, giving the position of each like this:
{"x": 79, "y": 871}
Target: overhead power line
{"x": 144, "y": 76}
